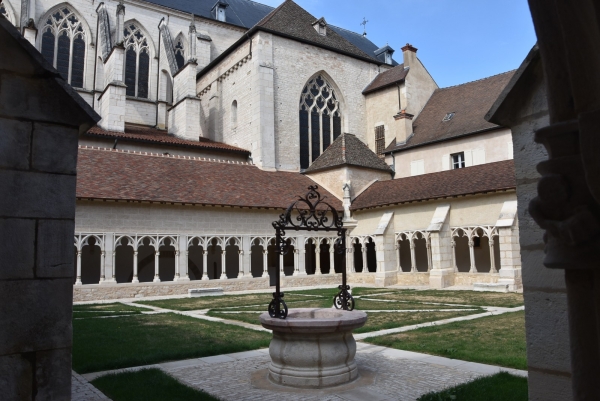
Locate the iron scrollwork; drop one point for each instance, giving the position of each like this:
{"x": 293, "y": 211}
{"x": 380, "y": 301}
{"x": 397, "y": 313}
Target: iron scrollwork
{"x": 310, "y": 213}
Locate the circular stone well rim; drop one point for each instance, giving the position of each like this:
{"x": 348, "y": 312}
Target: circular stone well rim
{"x": 325, "y": 320}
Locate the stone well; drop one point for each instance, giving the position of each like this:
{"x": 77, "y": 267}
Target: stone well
{"x": 313, "y": 348}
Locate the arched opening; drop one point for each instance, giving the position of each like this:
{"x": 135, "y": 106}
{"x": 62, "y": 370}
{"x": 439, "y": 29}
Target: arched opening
{"x": 338, "y": 259}
{"x": 146, "y": 267}
{"x": 421, "y": 256}
{"x": 257, "y": 258}
{"x": 310, "y": 263}
{"x": 91, "y": 260}
{"x": 166, "y": 259}
{"x": 272, "y": 258}
{"x": 404, "y": 249}
{"x": 358, "y": 259}
{"x": 234, "y": 113}
{"x": 232, "y": 259}
{"x": 320, "y": 119}
{"x": 324, "y": 257}
{"x": 123, "y": 260}
{"x": 371, "y": 256}
{"x": 180, "y": 53}
{"x": 213, "y": 259}
{"x": 195, "y": 260}
{"x": 137, "y": 61}
{"x": 461, "y": 251}
{"x": 288, "y": 259}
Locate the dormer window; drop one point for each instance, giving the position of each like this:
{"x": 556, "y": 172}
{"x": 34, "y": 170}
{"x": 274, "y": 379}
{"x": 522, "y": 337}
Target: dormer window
{"x": 385, "y": 54}
{"x": 388, "y": 58}
{"x": 320, "y": 26}
{"x": 219, "y": 12}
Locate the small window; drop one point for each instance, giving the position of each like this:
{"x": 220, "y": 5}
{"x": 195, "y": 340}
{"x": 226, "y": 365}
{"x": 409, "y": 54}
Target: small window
{"x": 379, "y": 140}
{"x": 234, "y": 110}
{"x": 221, "y": 14}
{"x": 458, "y": 160}
{"x": 448, "y": 117}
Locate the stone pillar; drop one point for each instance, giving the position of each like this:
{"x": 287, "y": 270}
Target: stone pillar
{"x": 223, "y": 263}
{"x": 413, "y": 262}
{"x": 135, "y": 267}
{"x": 350, "y": 259}
{"x": 442, "y": 257}
{"x": 247, "y": 256}
{"x": 177, "y": 274}
{"x": 429, "y": 262}
{"x": 473, "y": 268}
{"x": 112, "y": 100}
{"x": 240, "y": 264}
{"x": 492, "y": 261}
{"x": 398, "y": 267}
{"x": 120, "y": 23}
{"x": 510, "y": 257}
{"x": 331, "y": 259}
{"x": 454, "y": 266}
{"x": 182, "y": 259}
{"x": 156, "y": 265}
{"x": 265, "y": 263}
{"x": 205, "y": 264}
{"x": 78, "y": 279}
{"x": 363, "y": 250}
{"x": 318, "y": 259}
{"x": 102, "y": 266}
{"x": 301, "y": 248}
{"x": 184, "y": 121}
{"x": 109, "y": 262}
{"x": 296, "y": 266}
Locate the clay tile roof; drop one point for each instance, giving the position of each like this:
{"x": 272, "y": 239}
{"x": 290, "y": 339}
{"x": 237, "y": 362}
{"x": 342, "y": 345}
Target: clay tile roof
{"x": 156, "y": 136}
{"x": 292, "y": 20}
{"x": 387, "y": 78}
{"x": 347, "y": 149}
{"x": 121, "y": 175}
{"x": 469, "y": 102}
{"x": 464, "y": 181}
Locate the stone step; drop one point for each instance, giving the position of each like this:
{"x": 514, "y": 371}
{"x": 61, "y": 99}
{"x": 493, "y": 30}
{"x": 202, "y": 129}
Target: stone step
{"x": 205, "y": 292}
{"x": 494, "y": 287}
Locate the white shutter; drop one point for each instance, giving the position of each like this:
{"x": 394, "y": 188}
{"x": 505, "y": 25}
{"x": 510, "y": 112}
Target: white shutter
{"x": 478, "y": 156}
{"x": 417, "y": 167}
{"x": 468, "y": 158}
{"x": 445, "y": 162}
{"x": 510, "y": 150}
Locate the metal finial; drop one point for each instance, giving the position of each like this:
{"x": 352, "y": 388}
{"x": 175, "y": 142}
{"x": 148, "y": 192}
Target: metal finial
{"x": 364, "y": 24}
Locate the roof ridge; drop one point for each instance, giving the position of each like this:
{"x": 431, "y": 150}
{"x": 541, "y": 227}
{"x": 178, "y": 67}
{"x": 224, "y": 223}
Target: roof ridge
{"x": 476, "y": 80}
{"x": 270, "y": 15}
{"x": 152, "y": 154}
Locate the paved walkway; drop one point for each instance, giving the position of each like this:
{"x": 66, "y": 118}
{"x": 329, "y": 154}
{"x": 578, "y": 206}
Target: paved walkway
{"x": 387, "y": 374}
{"x": 82, "y": 390}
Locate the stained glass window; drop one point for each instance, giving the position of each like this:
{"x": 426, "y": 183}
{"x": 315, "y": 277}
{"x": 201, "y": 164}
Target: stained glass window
{"x": 137, "y": 61}
{"x": 320, "y": 119}
{"x": 179, "y": 54}
{"x": 63, "y": 45}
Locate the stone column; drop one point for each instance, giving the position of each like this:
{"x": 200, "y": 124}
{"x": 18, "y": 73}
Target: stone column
{"x": 492, "y": 261}
{"x": 102, "y": 266}
{"x": 473, "y": 268}
{"x": 114, "y": 263}
{"x": 240, "y": 264}
{"x": 363, "y": 250}
{"x": 156, "y": 266}
{"x": 429, "y": 262}
{"x": 109, "y": 261}
{"x": 223, "y": 264}
{"x": 281, "y": 271}
{"x": 331, "y": 259}
{"x": 301, "y": 248}
{"x": 187, "y": 266}
{"x": 78, "y": 280}
{"x": 205, "y": 265}
{"x": 265, "y": 263}
{"x": 135, "y": 267}
{"x": 413, "y": 262}
{"x": 454, "y": 266}
{"x": 318, "y": 259}
{"x": 398, "y": 267}
{"x": 296, "y": 265}
{"x": 177, "y": 274}
{"x": 182, "y": 259}
{"x": 247, "y": 256}
{"x": 350, "y": 259}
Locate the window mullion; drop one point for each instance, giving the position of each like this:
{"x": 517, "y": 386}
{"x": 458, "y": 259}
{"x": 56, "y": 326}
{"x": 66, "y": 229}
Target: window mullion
{"x": 54, "y": 63}
{"x": 70, "y": 70}
{"x": 310, "y": 136}
{"x": 137, "y": 70}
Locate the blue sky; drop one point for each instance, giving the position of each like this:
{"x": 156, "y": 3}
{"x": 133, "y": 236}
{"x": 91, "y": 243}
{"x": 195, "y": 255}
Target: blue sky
{"x": 458, "y": 40}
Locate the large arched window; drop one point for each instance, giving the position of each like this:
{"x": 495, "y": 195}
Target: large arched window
{"x": 63, "y": 45}
{"x": 320, "y": 119}
{"x": 137, "y": 61}
{"x": 180, "y": 53}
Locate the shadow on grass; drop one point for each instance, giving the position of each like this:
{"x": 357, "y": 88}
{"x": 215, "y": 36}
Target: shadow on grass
{"x": 147, "y": 385}
{"x": 499, "y": 387}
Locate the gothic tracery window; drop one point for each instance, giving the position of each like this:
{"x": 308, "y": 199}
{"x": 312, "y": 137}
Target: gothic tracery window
{"x": 137, "y": 61}
{"x": 179, "y": 54}
{"x": 63, "y": 45}
{"x": 320, "y": 119}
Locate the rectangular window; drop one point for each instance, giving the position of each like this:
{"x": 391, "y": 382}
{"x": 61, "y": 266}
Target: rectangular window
{"x": 458, "y": 160}
{"x": 379, "y": 140}
{"x": 417, "y": 167}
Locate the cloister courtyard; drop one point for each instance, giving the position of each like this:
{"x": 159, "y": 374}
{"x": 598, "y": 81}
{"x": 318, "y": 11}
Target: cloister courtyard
{"x": 417, "y": 344}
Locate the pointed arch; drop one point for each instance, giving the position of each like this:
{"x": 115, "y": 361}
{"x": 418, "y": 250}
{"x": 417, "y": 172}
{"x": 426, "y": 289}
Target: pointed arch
{"x": 321, "y": 109}
{"x": 180, "y": 46}
{"x": 8, "y": 12}
{"x": 63, "y": 41}
{"x": 139, "y": 53}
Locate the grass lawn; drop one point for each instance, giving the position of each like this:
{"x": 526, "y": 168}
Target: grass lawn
{"x": 496, "y": 340}
{"x": 104, "y": 344}
{"x": 114, "y": 309}
{"x": 368, "y": 304}
{"x": 147, "y": 385}
{"x": 376, "y": 320}
{"x": 508, "y": 300}
{"x": 499, "y": 387}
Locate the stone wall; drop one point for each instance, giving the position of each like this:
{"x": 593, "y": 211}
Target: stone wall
{"x": 40, "y": 120}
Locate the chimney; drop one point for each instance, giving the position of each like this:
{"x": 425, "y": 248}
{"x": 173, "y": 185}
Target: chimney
{"x": 409, "y": 52}
{"x": 404, "y": 127}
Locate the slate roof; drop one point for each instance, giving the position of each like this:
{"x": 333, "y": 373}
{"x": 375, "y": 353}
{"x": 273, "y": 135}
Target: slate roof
{"x": 292, "y": 20}
{"x": 483, "y": 178}
{"x": 387, "y": 78}
{"x": 470, "y": 102}
{"x": 107, "y": 174}
{"x": 244, "y": 13}
{"x": 156, "y": 136}
{"x": 361, "y": 42}
{"x": 347, "y": 149}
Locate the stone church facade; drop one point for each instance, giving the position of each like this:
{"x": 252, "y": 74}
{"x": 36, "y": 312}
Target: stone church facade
{"x": 215, "y": 115}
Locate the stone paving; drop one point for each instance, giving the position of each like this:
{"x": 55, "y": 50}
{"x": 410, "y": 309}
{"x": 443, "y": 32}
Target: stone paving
{"x": 82, "y": 390}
